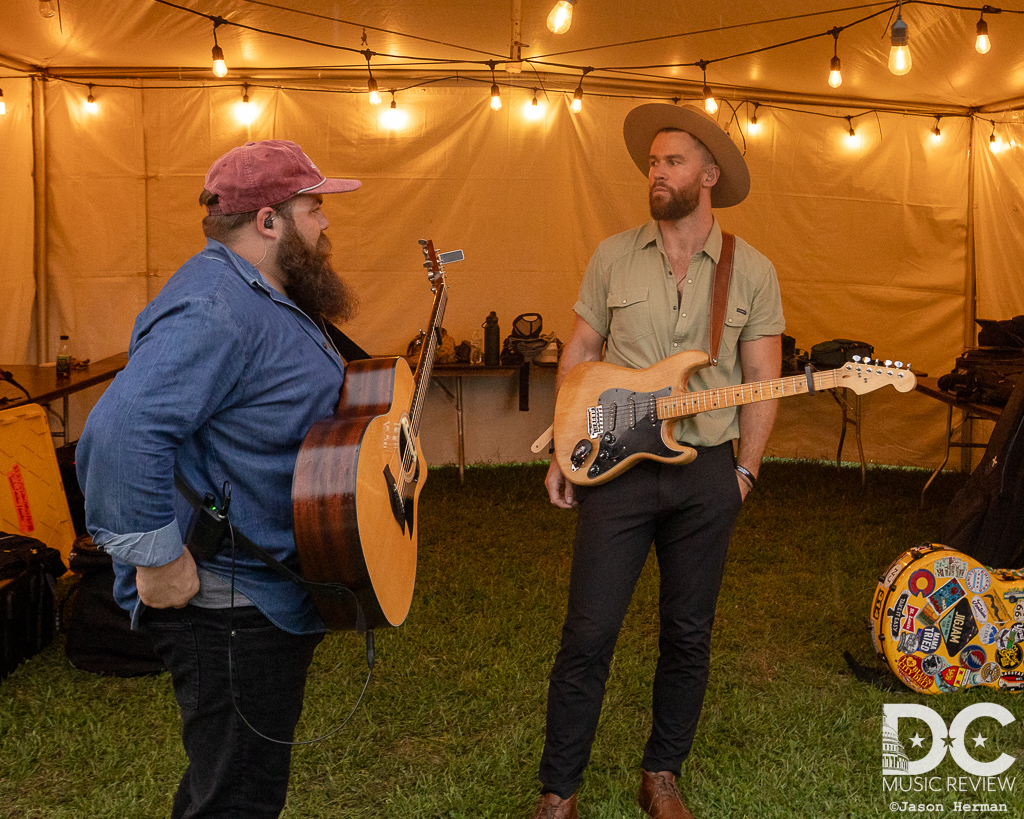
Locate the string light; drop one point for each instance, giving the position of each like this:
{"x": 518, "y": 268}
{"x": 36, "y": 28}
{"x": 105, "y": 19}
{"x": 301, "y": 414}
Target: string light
{"x": 710, "y": 104}
{"x": 936, "y": 133}
{"x": 90, "y": 103}
{"x": 3, "y": 105}
{"x": 393, "y": 118}
{"x": 560, "y": 17}
{"x": 46, "y": 8}
{"x": 246, "y": 110}
{"x": 371, "y": 84}
{"x": 899, "y": 53}
{"x": 983, "y": 44}
{"x": 753, "y": 127}
{"x": 577, "y": 98}
{"x": 495, "y": 93}
{"x": 835, "y": 76}
{"x": 533, "y": 110}
{"x": 993, "y": 144}
{"x": 220, "y": 67}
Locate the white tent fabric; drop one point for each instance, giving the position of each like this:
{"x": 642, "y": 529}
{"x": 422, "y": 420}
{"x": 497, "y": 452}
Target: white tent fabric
{"x": 879, "y": 242}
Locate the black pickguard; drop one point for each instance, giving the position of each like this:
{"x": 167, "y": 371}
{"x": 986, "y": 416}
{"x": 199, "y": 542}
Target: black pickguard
{"x": 630, "y": 425}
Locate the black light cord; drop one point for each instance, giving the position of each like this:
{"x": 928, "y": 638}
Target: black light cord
{"x": 370, "y": 656}
{"x": 8, "y": 376}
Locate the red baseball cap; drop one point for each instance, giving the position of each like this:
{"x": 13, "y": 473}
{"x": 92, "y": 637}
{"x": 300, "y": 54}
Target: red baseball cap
{"x": 259, "y": 174}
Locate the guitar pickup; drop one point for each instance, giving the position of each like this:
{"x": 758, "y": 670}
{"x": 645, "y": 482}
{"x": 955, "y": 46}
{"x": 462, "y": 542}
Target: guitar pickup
{"x": 595, "y": 422}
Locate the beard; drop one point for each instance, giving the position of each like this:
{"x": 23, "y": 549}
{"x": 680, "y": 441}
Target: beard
{"x": 681, "y": 202}
{"x": 310, "y": 280}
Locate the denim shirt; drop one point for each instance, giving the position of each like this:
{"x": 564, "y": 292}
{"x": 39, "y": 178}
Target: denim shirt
{"x": 224, "y": 379}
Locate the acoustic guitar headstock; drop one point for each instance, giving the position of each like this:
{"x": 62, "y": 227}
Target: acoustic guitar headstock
{"x": 435, "y": 262}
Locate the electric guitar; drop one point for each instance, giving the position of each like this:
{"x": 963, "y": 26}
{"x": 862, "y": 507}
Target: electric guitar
{"x": 601, "y": 431}
{"x": 358, "y": 478}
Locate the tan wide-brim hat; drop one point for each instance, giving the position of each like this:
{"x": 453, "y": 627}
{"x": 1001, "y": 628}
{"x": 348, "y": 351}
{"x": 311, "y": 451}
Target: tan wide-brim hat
{"x": 643, "y": 123}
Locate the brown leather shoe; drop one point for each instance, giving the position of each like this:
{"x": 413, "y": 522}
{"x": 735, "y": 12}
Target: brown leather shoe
{"x": 552, "y": 806}
{"x": 659, "y": 796}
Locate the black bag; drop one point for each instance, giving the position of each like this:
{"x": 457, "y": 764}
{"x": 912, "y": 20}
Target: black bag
{"x": 100, "y": 637}
{"x": 1005, "y": 333}
{"x": 831, "y": 355}
{"x": 28, "y": 571}
{"x": 986, "y": 518}
{"x": 985, "y": 375}
{"x": 525, "y": 342}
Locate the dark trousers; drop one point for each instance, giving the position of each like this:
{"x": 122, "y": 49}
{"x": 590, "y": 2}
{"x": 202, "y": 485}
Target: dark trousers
{"x": 689, "y": 513}
{"x": 232, "y": 772}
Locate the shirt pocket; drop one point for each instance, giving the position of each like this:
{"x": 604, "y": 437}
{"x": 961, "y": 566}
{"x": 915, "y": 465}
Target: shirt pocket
{"x": 631, "y": 318}
{"x": 735, "y": 319}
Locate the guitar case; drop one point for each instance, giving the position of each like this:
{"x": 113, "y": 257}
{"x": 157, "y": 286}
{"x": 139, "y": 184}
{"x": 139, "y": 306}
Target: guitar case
{"x": 943, "y": 622}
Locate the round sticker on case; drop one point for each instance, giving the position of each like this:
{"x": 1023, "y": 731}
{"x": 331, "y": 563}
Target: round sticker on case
{"x": 973, "y": 657}
{"x": 988, "y": 634}
{"x": 978, "y": 580}
{"x": 922, "y": 582}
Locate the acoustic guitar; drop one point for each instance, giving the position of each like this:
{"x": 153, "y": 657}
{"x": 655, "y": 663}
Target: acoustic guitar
{"x": 358, "y": 479}
{"x": 943, "y": 622}
{"x": 601, "y": 431}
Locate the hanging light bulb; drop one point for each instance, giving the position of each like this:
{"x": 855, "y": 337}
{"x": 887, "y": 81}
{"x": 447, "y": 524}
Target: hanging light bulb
{"x": 753, "y": 127}
{"x": 533, "y": 110}
{"x": 835, "y": 76}
{"x": 90, "y": 103}
{"x": 851, "y": 137}
{"x": 983, "y": 44}
{"x": 3, "y": 105}
{"x": 393, "y": 118}
{"x": 710, "y": 104}
{"x": 372, "y": 92}
{"x": 993, "y": 144}
{"x": 577, "y": 99}
{"x": 246, "y": 110}
{"x": 936, "y": 133}
{"x": 47, "y": 8}
{"x": 371, "y": 84}
{"x": 220, "y": 67}
{"x": 899, "y": 53}
{"x": 495, "y": 97}
{"x": 560, "y": 17}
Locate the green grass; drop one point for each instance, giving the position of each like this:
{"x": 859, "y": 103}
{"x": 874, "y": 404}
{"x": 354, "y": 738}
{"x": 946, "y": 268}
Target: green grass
{"x": 453, "y": 722}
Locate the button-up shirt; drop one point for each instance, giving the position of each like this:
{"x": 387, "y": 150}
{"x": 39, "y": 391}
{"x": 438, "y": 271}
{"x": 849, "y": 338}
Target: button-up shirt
{"x": 224, "y": 379}
{"x": 629, "y": 296}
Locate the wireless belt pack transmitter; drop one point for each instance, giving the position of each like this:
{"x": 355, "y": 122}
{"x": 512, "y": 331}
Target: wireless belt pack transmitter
{"x": 208, "y": 526}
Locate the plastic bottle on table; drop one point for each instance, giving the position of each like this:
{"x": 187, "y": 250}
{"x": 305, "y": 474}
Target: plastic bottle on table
{"x": 63, "y": 358}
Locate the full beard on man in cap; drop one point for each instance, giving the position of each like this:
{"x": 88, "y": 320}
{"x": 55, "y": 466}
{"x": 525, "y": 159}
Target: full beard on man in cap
{"x": 310, "y": 279}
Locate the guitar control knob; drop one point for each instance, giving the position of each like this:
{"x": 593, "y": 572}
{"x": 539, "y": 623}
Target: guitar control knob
{"x": 608, "y": 438}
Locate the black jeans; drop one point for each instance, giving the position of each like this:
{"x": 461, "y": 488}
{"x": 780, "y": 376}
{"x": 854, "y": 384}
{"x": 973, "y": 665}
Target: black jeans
{"x": 689, "y": 512}
{"x": 232, "y": 772}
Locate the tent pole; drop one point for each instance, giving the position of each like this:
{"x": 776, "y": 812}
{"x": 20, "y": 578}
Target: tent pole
{"x": 970, "y": 291}
{"x": 40, "y": 257}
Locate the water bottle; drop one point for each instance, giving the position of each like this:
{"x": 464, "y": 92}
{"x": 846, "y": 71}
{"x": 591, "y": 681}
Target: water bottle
{"x": 492, "y": 340}
{"x": 63, "y": 358}
{"x": 476, "y": 349}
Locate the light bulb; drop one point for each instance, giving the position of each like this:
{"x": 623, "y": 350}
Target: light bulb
{"x": 936, "y": 133}
{"x": 899, "y": 53}
{"x": 560, "y": 17}
{"x": 710, "y": 105}
{"x": 3, "y": 105}
{"x": 533, "y": 110}
{"x": 983, "y": 44}
{"x": 393, "y": 118}
{"x": 753, "y": 126}
{"x": 374, "y": 94}
{"x": 246, "y": 112}
{"x": 577, "y": 100}
{"x": 835, "y": 76}
{"x": 220, "y": 68}
{"x": 495, "y": 98}
{"x": 993, "y": 146}
{"x": 46, "y": 8}
{"x": 90, "y": 103}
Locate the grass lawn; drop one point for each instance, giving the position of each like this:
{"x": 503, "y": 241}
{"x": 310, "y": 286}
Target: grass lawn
{"x": 453, "y": 722}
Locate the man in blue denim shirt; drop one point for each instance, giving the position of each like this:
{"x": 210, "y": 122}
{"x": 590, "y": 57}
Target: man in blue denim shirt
{"x": 229, "y": 367}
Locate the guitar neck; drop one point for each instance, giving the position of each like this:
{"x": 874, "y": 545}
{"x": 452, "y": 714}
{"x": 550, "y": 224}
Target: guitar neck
{"x": 691, "y": 403}
{"x": 426, "y": 362}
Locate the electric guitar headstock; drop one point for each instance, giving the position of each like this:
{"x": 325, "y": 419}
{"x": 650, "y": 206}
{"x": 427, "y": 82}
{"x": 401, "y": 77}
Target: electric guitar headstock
{"x": 863, "y": 375}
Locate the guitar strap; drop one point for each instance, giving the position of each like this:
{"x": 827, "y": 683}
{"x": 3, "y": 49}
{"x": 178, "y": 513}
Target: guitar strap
{"x": 313, "y": 588}
{"x": 345, "y": 346}
{"x": 720, "y": 292}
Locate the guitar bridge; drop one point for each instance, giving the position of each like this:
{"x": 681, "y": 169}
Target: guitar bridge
{"x": 595, "y": 422}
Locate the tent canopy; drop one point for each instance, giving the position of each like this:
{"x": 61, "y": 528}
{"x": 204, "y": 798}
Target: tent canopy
{"x": 890, "y": 237}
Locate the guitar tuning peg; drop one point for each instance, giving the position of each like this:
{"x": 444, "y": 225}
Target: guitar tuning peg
{"x": 888, "y": 362}
{"x": 899, "y": 365}
{"x": 857, "y": 358}
{"x": 867, "y": 359}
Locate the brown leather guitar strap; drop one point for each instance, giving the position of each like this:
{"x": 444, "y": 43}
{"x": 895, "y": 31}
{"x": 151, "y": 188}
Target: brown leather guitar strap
{"x": 720, "y": 292}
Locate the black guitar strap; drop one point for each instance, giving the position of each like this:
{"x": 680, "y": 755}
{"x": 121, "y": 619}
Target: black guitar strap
{"x": 242, "y": 542}
{"x": 345, "y": 346}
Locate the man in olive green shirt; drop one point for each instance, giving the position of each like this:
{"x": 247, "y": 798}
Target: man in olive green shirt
{"x": 645, "y": 296}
